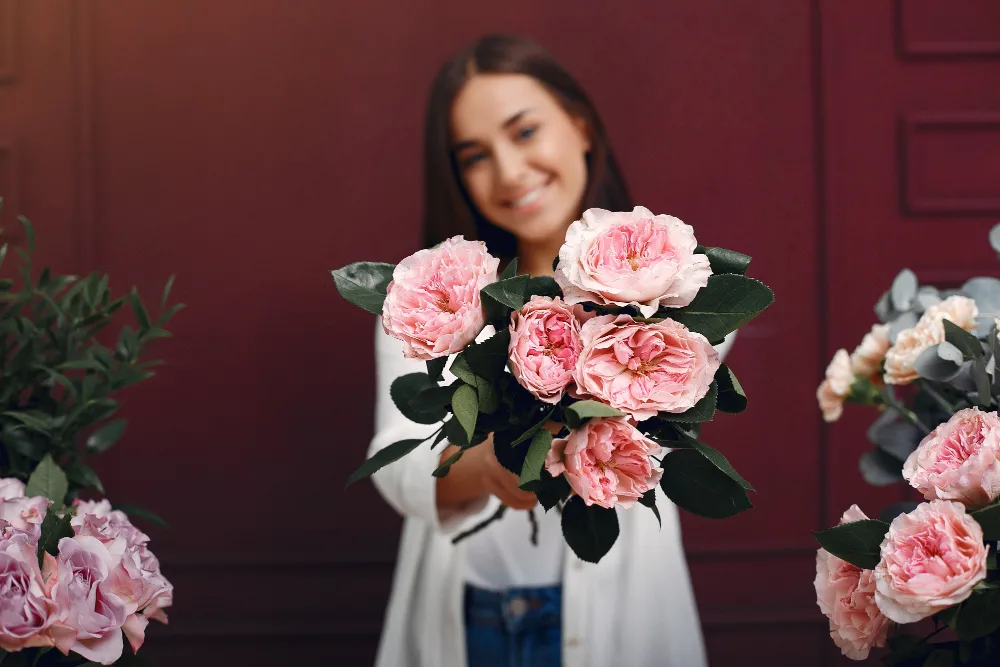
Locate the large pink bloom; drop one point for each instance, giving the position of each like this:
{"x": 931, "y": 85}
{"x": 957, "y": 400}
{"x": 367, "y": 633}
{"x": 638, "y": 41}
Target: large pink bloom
{"x": 545, "y": 345}
{"x": 959, "y": 460}
{"x": 643, "y": 369}
{"x": 846, "y": 594}
{"x": 606, "y": 462}
{"x": 433, "y": 303}
{"x": 27, "y": 609}
{"x": 636, "y": 259}
{"x": 932, "y": 558}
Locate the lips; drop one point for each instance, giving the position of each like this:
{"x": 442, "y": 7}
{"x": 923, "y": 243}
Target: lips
{"x": 528, "y": 197}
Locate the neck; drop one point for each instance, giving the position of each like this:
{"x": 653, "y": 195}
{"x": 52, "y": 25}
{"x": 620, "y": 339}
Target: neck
{"x": 535, "y": 258}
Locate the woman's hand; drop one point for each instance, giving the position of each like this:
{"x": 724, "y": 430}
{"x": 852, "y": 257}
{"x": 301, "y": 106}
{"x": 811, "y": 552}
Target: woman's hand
{"x": 478, "y": 474}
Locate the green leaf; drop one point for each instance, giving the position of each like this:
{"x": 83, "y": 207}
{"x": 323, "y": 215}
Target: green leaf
{"x": 728, "y": 302}
{"x": 29, "y": 233}
{"x": 697, "y": 485}
{"x": 857, "y": 542}
{"x": 103, "y": 438}
{"x": 39, "y": 422}
{"x": 465, "y": 405}
{"x": 984, "y": 396}
{"x": 141, "y": 315}
{"x": 382, "y": 458}
{"x": 535, "y": 459}
{"x": 489, "y": 358}
{"x": 551, "y": 490}
{"x": 405, "y": 389}
{"x": 82, "y": 364}
{"x": 940, "y": 658}
{"x": 443, "y": 469}
{"x": 720, "y": 462}
{"x": 53, "y": 529}
{"x": 725, "y": 261}
{"x": 166, "y": 292}
{"x": 142, "y": 513}
{"x": 82, "y": 474}
{"x": 17, "y": 440}
{"x": 542, "y": 286}
{"x": 489, "y": 399}
{"x": 731, "y": 397}
{"x": 364, "y": 284}
{"x": 968, "y": 344}
{"x": 460, "y": 369}
{"x": 510, "y": 270}
{"x": 434, "y": 400}
{"x": 589, "y": 531}
{"x": 580, "y": 411}
{"x": 48, "y": 480}
{"x": 979, "y": 614}
{"x": 508, "y": 292}
{"x": 649, "y": 500}
{"x": 988, "y": 519}
{"x": 703, "y": 411}
{"x": 435, "y": 368}
{"x": 533, "y": 429}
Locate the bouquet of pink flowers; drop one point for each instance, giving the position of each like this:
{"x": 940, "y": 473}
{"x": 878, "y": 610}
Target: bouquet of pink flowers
{"x": 75, "y": 578}
{"x": 929, "y": 368}
{"x": 587, "y": 378}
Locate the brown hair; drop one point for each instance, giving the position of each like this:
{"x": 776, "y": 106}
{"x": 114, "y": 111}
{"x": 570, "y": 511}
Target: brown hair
{"x": 448, "y": 211}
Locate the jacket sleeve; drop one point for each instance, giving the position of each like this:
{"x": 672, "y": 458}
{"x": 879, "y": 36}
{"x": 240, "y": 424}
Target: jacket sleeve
{"x": 407, "y": 484}
{"x": 725, "y": 346}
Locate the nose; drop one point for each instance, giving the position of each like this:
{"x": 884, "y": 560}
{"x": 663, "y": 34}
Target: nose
{"x": 512, "y": 165}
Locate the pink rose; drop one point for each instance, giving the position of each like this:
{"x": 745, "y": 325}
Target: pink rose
{"x": 545, "y": 345}
{"x": 869, "y": 355}
{"x": 846, "y": 595}
{"x": 932, "y": 558}
{"x": 606, "y": 462}
{"x": 928, "y": 331}
{"x": 11, "y": 487}
{"x": 98, "y": 519}
{"x": 24, "y": 515}
{"x": 631, "y": 259}
{"x": 958, "y": 460}
{"x": 643, "y": 369}
{"x": 94, "y": 612}
{"x": 138, "y": 583}
{"x": 433, "y": 304}
{"x": 835, "y": 387}
{"x": 27, "y": 609}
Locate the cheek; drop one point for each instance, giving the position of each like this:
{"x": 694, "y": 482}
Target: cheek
{"x": 479, "y": 184}
{"x": 563, "y": 155}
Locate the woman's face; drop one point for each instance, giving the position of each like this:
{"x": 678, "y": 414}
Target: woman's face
{"x": 522, "y": 157}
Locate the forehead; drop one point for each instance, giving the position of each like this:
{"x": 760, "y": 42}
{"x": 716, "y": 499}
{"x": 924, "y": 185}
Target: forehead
{"x": 489, "y": 100}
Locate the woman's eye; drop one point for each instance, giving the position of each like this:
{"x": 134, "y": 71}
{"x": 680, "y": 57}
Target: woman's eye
{"x": 526, "y": 132}
{"x": 470, "y": 159}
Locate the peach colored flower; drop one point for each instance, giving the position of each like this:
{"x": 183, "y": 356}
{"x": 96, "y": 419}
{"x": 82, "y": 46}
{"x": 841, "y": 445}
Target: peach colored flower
{"x": 606, "y": 462}
{"x": 635, "y": 258}
{"x": 643, "y": 369}
{"x": 545, "y": 345}
{"x": 846, "y": 595}
{"x": 932, "y": 558}
{"x": 959, "y": 460}
{"x": 835, "y": 387}
{"x": 929, "y": 330}
{"x": 433, "y": 303}
{"x": 869, "y": 355}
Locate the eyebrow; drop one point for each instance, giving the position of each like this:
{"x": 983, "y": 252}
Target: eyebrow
{"x": 507, "y": 123}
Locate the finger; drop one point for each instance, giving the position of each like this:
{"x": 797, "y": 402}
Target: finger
{"x": 515, "y": 498}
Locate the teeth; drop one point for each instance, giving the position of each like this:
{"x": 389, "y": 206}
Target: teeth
{"x": 528, "y": 198}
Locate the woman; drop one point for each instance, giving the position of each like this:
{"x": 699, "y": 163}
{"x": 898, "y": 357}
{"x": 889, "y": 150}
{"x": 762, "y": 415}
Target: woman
{"x": 515, "y": 151}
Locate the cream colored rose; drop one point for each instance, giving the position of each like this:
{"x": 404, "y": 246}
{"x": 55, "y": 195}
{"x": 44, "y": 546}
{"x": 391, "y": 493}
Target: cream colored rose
{"x": 929, "y": 331}
{"x": 836, "y": 387}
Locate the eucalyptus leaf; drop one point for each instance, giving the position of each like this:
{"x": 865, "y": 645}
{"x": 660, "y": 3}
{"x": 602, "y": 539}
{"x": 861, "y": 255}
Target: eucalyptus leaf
{"x": 880, "y": 469}
{"x": 901, "y": 324}
{"x": 985, "y": 291}
{"x": 995, "y": 238}
{"x": 904, "y": 290}
{"x": 968, "y": 344}
{"x": 894, "y": 510}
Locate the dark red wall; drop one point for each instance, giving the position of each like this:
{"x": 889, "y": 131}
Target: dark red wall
{"x": 249, "y": 146}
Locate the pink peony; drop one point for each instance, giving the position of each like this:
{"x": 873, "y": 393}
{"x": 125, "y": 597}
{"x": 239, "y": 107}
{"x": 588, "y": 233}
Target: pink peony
{"x": 27, "y": 609}
{"x": 631, "y": 259}
{"x": 929, "y": 331}
{"x": 11, "y": 487}
{"x": 95, "y": 613}
{"x": 932, "y": 558}
{"x": 846, "y": 594}
{"x": 643, "y": 369}
{"x": 606, "y": 462}
{"x": 867, "y": 357}
{"x": 433, "y": 303}
{"x": 958, "y": 460}
{"x": 835, "y": 387}
{"x": 545, "y": 345}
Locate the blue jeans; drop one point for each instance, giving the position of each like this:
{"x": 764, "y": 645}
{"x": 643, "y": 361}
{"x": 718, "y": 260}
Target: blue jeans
{"x": 520, "y": 627}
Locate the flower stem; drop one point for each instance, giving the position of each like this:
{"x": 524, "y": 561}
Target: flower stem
{"x": 898, "y": 407}
{"x": 482, "y": 524}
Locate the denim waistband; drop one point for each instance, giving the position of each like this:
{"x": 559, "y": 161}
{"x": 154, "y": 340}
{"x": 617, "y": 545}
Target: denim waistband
{"x": 515, "y": 609}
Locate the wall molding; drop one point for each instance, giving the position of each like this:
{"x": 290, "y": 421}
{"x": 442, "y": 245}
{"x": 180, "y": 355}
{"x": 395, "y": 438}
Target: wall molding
{"x": 8, "y": 41}
{"x": 941, "y": 49}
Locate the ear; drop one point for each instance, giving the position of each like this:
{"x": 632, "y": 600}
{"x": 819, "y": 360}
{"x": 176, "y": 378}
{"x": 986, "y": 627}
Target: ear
{"x": 584, "y": 130}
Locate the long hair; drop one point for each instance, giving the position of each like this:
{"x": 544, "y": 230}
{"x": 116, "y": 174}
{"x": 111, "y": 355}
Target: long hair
{"x": 448, "y": 210}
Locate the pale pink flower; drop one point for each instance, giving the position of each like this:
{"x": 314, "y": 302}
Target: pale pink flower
{"x": 433, "y": 303}
{"x": 545, "y": 345}
{"x": 846, "y": 595}
{"x": 98, "y": 519}
{"x": 959, "y": 460}
{"x": 606, "y": 462}
{"x": 95, "y": 614}
{"x": 836, "y": 387}
{"x": 631, "y": 259}
{"x": 929, "y": 331}
{"x": 643, "y": 369}
{"x": 24, "y": 515}
{"x": 138, "y": 582}
{"x": 932, "y": 558}
{"x": 11, "y": 487}
{"x": 867, "y": 357}
{"x": 27, "y": 608}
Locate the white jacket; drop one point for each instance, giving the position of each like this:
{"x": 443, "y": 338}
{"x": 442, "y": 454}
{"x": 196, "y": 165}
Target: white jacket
{"x": 635, "y": 608}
